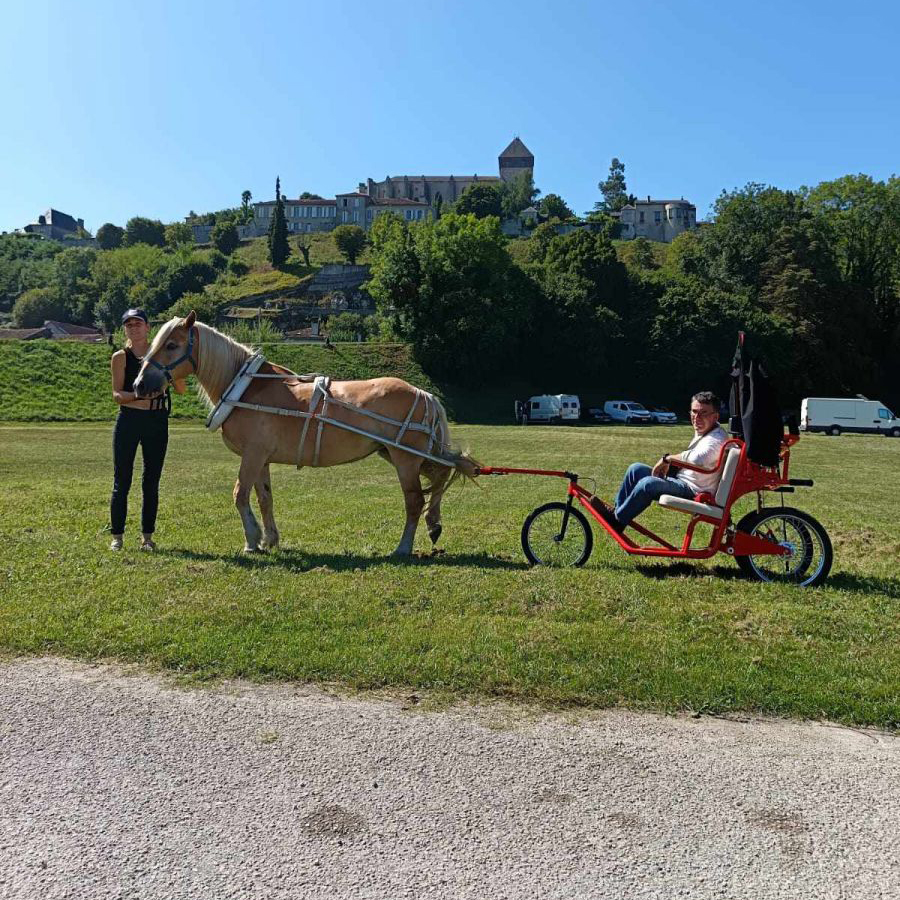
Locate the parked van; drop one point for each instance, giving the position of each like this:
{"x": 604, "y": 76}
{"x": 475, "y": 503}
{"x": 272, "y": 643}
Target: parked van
{"x": 553, "y": 408}
{"x": 628, "y": 411}
{"x": 833, "y": 415}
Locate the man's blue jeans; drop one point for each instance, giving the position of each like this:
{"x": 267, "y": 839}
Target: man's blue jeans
{"x": 639, "y": 489}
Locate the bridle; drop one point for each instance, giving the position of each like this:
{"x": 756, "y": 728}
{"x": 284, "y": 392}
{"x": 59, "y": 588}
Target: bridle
{"x": 187, "y": 355}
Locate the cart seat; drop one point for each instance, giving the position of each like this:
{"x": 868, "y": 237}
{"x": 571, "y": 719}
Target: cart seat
{"x": 716, "y": 509}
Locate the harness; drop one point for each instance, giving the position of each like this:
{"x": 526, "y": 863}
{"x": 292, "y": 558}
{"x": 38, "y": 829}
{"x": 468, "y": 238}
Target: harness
{"x": 319, "y": 401}
{"x": 187, "y": 355}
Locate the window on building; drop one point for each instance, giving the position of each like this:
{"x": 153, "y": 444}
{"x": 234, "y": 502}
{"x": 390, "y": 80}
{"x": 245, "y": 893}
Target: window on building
{"x": 641, "y": 217}
{"x": 657, "y": 217}
{"x": 343, "y": 201}
{"x": 678, "y": 213}
{"x": 355, "y": 215}
{"x": 357, "y": 201}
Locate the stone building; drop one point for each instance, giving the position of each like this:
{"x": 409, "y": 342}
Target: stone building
{"x": 656, "y": 220}
{"x": 413, "y": 197}
{"x": 56, "y": 226}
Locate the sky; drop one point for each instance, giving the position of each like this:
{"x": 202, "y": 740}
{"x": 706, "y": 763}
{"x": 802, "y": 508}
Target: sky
{"x": 118, "y": 109}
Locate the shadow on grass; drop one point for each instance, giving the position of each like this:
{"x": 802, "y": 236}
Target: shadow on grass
{"x": 842, "y": 581}
{"x": 302, "y": 561}
{"x": 686, "y": 570}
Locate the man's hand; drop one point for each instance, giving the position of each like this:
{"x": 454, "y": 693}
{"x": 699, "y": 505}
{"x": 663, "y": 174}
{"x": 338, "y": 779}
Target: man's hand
{"x": 661, "y": 469}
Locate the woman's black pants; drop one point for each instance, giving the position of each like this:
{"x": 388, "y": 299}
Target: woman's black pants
{"x": 150, "y": 429}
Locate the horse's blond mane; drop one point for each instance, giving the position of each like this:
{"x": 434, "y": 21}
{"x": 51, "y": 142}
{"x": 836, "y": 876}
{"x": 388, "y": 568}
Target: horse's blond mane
{"x": 220, "y": 358}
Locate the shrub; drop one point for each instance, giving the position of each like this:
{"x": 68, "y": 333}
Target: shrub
{"x": 224, "y": 237}
{"x": 190, "y": 278}
{"x": 218, "y": 260}
{"x": 253, "y": 333}
{"x": 350, "y": 241}
{"x": 34, "y": 307}
{"x": 206, "y": 305}
{"x": 237, "y": 267}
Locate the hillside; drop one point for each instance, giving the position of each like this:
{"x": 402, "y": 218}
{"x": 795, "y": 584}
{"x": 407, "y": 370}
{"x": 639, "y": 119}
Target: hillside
{"x": 62, "y": 381}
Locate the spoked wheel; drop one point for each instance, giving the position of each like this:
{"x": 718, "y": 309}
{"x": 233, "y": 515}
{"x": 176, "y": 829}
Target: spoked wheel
{"x": 557, "y": 534}
{"x": 809, "y": 559}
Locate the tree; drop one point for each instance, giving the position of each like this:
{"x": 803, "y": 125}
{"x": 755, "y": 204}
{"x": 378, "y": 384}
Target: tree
{"x": 554, "y": 207}
{"x": 304, "y": 245}
{"x": 306, "y": 195}
{"x": 110, "y": 236}
{"x": 350, "y": 240}
{"x": 451, "y": 289}
{"x": 480, "y": 200}
{"x": 71, "y": 283}
{"x": 179, "y": 234}
{"x": 141, "y": 230}
{"x": 517, "y": 194}
{"x": 225, "y": 238}
{"x": 35, "y": 307}
{"x": 246, "y": 197}
{"x": 615, "y": 194}
{"x": 279, "y": 249}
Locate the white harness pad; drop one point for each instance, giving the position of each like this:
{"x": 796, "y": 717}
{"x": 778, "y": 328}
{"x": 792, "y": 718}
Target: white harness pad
{"x": 222, "y": 410}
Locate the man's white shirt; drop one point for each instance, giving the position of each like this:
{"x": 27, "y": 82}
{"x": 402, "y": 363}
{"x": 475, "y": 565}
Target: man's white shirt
{"x": 703, "y": 451}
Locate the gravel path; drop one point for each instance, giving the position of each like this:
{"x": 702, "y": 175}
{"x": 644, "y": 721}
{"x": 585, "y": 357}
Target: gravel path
{"x": 118, "y": 784}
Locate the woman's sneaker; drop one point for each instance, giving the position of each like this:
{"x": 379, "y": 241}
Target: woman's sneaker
{"x": 147, "y": 545}
{"x": 116, "y": 542}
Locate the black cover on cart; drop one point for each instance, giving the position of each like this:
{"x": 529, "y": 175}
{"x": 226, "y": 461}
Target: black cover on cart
{"x": 755, "y": 413}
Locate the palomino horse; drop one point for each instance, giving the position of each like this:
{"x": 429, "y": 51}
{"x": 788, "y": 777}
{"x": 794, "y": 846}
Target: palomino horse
{"x": 261, "y": 438}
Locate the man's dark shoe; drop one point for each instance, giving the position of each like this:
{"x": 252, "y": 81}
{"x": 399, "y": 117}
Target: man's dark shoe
{"x": 607, "y": 513}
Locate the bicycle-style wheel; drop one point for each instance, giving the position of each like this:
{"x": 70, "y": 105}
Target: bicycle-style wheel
{"x": 810, "y": 555}
{"x": 557, "y": 534}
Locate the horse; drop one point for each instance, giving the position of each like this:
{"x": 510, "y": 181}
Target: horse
{"x": 376, "y": 407}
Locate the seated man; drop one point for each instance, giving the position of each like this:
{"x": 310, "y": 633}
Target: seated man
{"x": 642, "y": 485}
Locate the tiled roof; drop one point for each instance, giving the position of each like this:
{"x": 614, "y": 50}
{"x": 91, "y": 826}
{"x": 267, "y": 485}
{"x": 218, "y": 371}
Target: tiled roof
{"x": 516, "y": 148}
{"x": 21, "y": 334}
{"x": 70, "y": 328}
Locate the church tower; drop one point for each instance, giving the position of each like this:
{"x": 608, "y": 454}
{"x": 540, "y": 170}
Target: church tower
{"x": 515, "y": 160}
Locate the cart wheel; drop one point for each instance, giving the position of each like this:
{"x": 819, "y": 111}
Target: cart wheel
{"x": 546, "y": 544}
{"x": 809, "y": 561}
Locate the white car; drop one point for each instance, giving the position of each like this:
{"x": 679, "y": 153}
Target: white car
{"x": 663, "y": 416}
{"x": 628, "y": 411}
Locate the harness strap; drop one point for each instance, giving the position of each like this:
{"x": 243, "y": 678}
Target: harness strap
{"x": 409, "y": 416}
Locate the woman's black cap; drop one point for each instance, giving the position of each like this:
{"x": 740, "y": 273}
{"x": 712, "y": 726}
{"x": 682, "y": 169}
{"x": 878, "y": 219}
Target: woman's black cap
{"x": 134, "y": 314}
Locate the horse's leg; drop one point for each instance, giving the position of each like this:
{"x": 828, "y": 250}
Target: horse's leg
{"x": 440, "y": 476}
{"x": 408, "y": 467}
{"x": 263, "y": 487}
{"x": 251, "y": 468}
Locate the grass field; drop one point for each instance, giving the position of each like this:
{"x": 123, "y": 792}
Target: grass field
{"x": 474, "y": 620}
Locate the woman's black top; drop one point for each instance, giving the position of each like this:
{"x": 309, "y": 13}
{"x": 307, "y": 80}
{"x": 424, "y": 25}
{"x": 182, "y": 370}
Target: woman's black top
{"x": 132, "y": 367}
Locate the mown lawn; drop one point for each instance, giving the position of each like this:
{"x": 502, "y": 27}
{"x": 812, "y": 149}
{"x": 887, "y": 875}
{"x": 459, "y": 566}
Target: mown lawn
{"x": 474, "y": 620}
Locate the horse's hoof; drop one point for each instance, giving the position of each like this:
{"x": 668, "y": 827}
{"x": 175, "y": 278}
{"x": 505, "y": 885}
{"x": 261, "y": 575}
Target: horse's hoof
{"x": 435, "y": 533}
{"x": 252, "y": 551}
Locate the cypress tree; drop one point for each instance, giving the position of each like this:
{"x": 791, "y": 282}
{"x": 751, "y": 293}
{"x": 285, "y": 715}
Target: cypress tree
{"x": 279, "y": 250}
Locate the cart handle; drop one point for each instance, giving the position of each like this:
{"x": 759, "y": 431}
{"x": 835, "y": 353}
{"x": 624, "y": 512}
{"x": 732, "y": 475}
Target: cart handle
{"x": 505, "y": 470}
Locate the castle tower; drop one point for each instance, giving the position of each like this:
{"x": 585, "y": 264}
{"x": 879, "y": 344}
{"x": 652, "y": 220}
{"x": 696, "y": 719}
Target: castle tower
{"x": 515, "y": 160}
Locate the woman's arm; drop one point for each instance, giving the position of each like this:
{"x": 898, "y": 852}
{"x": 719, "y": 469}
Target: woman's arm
{"x": 117, "y": 366}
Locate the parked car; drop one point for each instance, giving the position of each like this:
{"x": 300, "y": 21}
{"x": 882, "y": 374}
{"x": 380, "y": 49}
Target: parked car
{"x": 599, "y": 416}
{"x": 552, "y": 408}
{"x": 834, "y": 415}
{"x": 628, "y": 411}
{"x": 663, "y": 416}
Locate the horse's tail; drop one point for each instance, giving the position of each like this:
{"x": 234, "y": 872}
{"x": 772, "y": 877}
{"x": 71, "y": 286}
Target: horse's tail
{"x": 440, "y": 477}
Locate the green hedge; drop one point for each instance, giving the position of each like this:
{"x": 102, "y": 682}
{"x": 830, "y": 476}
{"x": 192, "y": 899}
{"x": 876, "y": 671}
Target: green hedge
{"x": 65, "y": 381}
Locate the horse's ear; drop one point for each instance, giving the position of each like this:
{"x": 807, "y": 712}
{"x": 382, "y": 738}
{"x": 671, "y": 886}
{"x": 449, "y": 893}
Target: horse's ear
{"x": 189, "y": 321}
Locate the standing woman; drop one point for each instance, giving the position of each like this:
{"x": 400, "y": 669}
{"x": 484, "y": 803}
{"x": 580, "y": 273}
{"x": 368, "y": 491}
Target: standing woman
{"x": 143, "y": 421}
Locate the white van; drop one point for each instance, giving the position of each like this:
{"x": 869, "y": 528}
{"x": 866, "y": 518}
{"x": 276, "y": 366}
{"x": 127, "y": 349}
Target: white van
{"x": 628, "y": 411}
{"x": 833, "y": 415}
{"x": 553, "y": 408}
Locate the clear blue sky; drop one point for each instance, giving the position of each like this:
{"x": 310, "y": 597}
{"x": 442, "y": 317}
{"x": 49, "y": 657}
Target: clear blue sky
{"x": 115, "y": 109}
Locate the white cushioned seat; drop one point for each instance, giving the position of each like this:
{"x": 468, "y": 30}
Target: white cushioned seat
{"x": 729, "y": 470}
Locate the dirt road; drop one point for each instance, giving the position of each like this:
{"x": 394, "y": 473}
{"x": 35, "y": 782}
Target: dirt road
{"x": 117, "y": 784}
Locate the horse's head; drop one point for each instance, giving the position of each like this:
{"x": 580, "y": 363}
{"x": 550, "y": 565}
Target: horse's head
{"x": 172, "y": 356}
